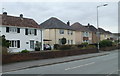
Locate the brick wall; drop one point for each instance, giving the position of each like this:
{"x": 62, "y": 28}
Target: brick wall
{"x": 10, "y": 58}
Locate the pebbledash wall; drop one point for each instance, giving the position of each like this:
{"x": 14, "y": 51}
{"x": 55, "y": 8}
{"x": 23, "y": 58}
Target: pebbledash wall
{"x": 24, "y": 39}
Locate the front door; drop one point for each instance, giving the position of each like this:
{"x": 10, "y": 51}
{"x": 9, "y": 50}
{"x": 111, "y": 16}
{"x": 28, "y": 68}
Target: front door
{"x": 31, "y": 44}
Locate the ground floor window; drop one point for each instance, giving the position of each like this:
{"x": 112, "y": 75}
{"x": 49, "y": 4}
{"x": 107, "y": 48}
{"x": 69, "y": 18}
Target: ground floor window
{"x": 86, "y": 41}
{"x": 14, "y": 43}
{"x": 71, "y": 41}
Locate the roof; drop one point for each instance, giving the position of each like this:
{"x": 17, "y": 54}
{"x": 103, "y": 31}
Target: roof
{"x": 79, "y": 27}
{"x": 91, "y": 28}
{"x": 18, "y": 21}
{"x": 117, "y": 34}
{"x": 101, "y": 30}
{"x": 54, "y": 23}
{"x": 108, "y": 32}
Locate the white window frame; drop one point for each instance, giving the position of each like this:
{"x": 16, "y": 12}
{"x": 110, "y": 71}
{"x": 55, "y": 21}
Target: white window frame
{"x": 31, "y": 31}
{"x": 71, "y": 41}
{"x": 68, "y": 41}
{"x": 13, "y": 43}
{"x": 61, "y": 31}
{"x": 71, "y": 32}
{"x": 13, "y": 29}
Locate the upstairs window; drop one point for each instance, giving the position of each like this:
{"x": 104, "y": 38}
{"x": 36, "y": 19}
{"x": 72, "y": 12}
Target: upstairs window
{"x": 61, "y": 31}
{"x": 30, "y": 31}
{"x": 86, "y": 34}
{"x": 68, "y": 32}
{"x": 12, "y": 29}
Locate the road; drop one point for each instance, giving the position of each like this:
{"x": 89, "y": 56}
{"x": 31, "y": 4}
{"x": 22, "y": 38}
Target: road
{"x": 107, "y": 64}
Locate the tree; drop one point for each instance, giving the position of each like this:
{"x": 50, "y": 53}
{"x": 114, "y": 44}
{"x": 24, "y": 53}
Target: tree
{"x": 63, "y": 40}
{"x": 4, "y": 42}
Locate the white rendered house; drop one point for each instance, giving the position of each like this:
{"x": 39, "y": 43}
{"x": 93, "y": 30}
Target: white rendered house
{"x": 22, "y": 33}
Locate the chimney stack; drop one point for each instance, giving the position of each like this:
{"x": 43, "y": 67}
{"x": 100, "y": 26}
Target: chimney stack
{"x": 68, "y": 23}
{"x": 88, "y": 24}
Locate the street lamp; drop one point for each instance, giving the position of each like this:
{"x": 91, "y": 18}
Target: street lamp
{"x": 98, "y": 25}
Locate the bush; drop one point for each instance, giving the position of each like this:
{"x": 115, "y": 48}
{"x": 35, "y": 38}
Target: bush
{"x": 84, "y": 44}
{"x": 64, "y": 47}
{"x": 106, "y": 43}
{"x": 56, "y": 46}
{"x": 25, "y": 51}
{"x": 74, "y": 47}
{"x": 63, "y": 40}
{"x": 90, "y": 46}
{"x": 37, "y": 46}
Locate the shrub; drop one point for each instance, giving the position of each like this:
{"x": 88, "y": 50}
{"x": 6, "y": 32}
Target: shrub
{"x": 90, "y": 46}
{"x": 63, "y": 40}
{"x": 37, "y": 46}
{"x": 64, "y": 47}
{"x": 25, "y": 51}
{"x": 84, "y": 44}
{"x": 56, "y": 46}
{"x": 105, "y": 43}
{"x": 74, "y": 47}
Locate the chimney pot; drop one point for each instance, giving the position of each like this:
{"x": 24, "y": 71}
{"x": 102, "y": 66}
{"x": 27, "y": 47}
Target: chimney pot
{"x": 21, "y": 15}
{"x": 5, "y": 13}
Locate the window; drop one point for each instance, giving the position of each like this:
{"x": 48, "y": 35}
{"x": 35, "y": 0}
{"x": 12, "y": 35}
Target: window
{"x": 30, "y": 32}
{"x": 61, "y": 31}
{"x": 12, "y": 29}
{"x": 71, "y": 32}
{"x": 68, "y": 42}
{"x": 32, "y": 44}
{"x": 71, "y": 41}
{"x": 14, "y": 43}
{"x": 68, "y": 32}
{"x": 60, "y": 41}
{"x": 86, "y": 34}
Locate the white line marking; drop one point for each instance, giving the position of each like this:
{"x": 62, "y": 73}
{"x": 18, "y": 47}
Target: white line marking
{"x": 80, "y": 66}
{"x": 112, "y": 73}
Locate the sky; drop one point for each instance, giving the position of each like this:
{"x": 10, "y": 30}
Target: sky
{"x": 73, "y": 11}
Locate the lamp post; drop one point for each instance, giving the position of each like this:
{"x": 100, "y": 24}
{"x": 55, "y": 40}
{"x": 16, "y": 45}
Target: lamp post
{"x": 98, "y": 26}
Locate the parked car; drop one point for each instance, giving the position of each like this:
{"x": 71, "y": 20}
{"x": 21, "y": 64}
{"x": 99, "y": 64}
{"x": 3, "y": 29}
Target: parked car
{"x": 47, "y": 47}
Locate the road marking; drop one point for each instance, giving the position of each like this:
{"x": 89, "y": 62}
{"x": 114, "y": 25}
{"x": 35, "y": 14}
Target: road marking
{"x": 112, "y": 73}
{"x": 80, "y": 66}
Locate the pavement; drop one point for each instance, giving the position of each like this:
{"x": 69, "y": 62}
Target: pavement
{"x": 106, "y": 64}
{"x": 38, "y": 63}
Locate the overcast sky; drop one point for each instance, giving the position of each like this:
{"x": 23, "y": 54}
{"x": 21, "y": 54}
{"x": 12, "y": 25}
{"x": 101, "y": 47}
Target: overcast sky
{"x": 82, "y": 12}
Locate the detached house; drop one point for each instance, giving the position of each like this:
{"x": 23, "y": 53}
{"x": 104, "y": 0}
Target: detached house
{"x": 55, "y": 30}
{"x": 22, "y": 33}
{"x": 82, "y": 33}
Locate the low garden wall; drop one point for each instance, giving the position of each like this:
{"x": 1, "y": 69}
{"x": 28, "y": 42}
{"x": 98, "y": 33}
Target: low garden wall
{"x": 110, "y": 48}
{"x": 10, "y": 58}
